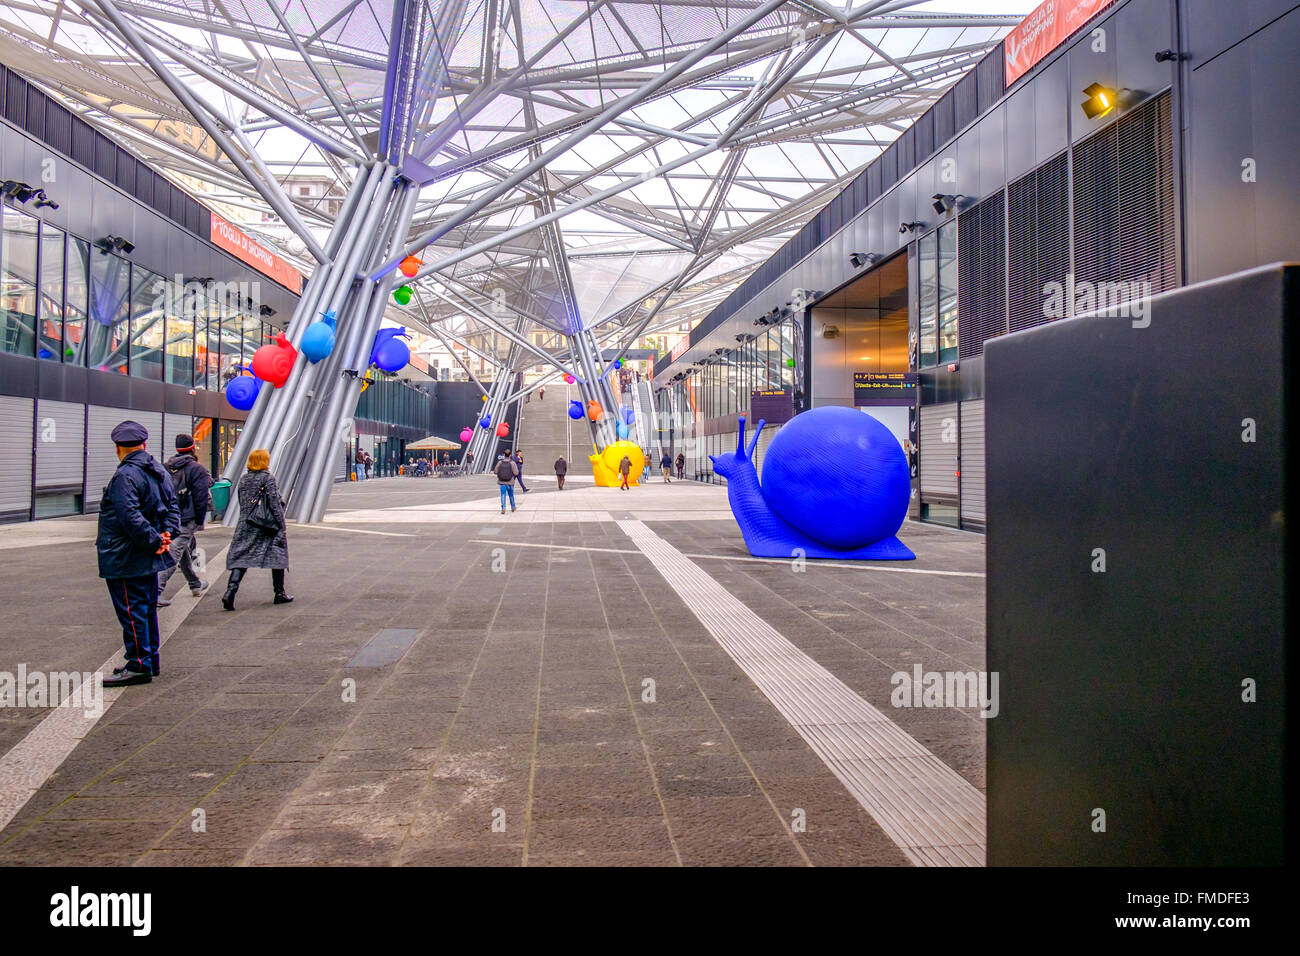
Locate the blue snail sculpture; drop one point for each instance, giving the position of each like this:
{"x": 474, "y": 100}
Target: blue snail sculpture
{"x": 836, "y": 485}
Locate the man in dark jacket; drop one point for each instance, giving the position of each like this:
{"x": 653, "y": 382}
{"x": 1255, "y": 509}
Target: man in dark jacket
{"x": 138, "y": 516}
{"x": 666, "y": 464}
{"x": 191, "y": 482}
{"x": 561, "y": 469}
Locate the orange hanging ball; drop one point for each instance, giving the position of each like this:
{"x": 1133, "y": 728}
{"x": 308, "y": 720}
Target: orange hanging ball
{"x": 503, "y": 430}
{"x": 410, "y": 266}
{"x": 594, "y": 411}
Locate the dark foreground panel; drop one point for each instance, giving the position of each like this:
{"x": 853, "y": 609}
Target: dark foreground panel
{"x": 1135, "y": 581}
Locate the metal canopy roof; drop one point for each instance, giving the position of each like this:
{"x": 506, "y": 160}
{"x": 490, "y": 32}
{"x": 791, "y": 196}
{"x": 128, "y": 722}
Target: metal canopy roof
{"x": 618, "y": 165}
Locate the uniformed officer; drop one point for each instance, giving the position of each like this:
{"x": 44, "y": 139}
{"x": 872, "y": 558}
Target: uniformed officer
{"x": 137, "y": 518}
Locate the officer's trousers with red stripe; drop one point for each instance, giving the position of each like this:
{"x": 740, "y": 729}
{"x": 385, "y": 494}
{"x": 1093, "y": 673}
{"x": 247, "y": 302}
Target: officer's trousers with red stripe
{"x": 136, "y": 603}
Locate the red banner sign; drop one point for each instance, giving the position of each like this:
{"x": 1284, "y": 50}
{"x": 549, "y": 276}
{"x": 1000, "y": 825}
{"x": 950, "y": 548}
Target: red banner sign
{"x": 242, "y": 247}
{"x": 1044, "y": 30}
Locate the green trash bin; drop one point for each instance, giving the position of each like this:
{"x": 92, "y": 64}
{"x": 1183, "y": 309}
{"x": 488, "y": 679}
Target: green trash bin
{"x": 220, "y": 497}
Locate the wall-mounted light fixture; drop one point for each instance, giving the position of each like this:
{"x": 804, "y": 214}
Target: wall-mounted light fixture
{"x": 909, "y": 227}
{"x": 1163, "y": 56}
{"x": 745, "y": 337}
{"x": 115, "y": 244}
{"x": 943, "y": 202}
{"x": 830, "y": 331}
{"x": 1101, "y": 99}
{"x": 267, "y": 311}
{"x": 860, "y": 259}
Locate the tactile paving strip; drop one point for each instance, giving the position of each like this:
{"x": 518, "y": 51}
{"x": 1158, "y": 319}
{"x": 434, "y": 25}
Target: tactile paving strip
{"x": 934, "y": 815}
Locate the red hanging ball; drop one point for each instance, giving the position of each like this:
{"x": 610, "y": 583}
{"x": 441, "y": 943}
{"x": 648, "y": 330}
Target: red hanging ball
{"x": 410, "y": 266}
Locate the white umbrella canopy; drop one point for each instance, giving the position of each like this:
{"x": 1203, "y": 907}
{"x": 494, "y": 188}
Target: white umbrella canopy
{"x": 432, "y": 443}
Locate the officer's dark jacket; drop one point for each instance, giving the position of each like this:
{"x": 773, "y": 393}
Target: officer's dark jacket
{"x": 138, "y": 505}
{"x": 195, "y": 506}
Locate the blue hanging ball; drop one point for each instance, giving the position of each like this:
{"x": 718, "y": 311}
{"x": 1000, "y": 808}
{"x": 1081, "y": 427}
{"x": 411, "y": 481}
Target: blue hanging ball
{"x": 838, "y": 475}
{"x": 392, "y": 355}
{"x": 45, "y": 353}
{"x": 618, "y": 363}
{"x": 241, "y": 393}
{"x": 629, "y": 416}
{"x": 317, "y": 342}
{"x": 622, "y": 430}
{"x": 575, "y": 409}
{"x": 485, "y": 421}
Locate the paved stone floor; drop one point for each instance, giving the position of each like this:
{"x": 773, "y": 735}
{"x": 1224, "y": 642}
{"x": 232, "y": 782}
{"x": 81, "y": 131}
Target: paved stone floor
{"x": 540, "y": 694}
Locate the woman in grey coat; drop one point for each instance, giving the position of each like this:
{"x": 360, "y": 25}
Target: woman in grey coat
{"x": 251, "y": 547}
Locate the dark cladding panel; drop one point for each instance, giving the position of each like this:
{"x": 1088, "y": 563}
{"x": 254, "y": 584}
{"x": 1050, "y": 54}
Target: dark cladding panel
{"x": 1122, "y": 688}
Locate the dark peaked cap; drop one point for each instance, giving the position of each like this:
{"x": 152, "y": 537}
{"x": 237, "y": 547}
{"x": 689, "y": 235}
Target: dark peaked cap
{"x": 130, "y": 433}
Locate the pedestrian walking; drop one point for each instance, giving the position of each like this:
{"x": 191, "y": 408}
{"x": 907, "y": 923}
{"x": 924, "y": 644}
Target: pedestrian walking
{"x": 625, "y": 469}
{"x": 506, "y": 473}
{"x": 519, "y": 464}
{"x": 260, "y": 539}
{"x": 469, "y": 459}
{"x": 541, "y": 393}
{"x": 666, "y": 464}
{"x": 138, "y": 517}
{"x": 370, "y": 466}
{"x": 681, "y": 465}
{"x": 561, "y": 469}
{"x": 191, "y": 482}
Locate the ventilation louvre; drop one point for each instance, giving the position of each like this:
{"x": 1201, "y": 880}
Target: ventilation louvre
{"x": 1038, "y": 241}
{"x": 981, "y": 270}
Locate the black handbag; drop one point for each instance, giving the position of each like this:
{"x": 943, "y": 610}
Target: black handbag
{"x": 260, "y": 517}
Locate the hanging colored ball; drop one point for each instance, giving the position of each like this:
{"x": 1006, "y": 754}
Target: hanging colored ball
{"x": 317, "y": 342}
{"x": 402, "y": 294}
{"x": 503, "y": 430}
{"x": 392, "y": 355}
{"x": 483, "y": 398}
{"x": 789, "y": 363}
{"x": 410, "y": 266}
{"x": 595, "y": 412}
{"x": 622, "y": 430}
{"x": 466, "y": 434}
{"x": 273, "y": 363}
{"x": 241, "y": 392}
{"x": 629, "y": 416}
{"x": 569, "y": 379}
{"x": 485, "y": 421}
{"x": 618, "y": 363}
{"x": 575, "y": 409}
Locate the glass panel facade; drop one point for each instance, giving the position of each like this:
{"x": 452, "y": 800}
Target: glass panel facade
{"x": 76, "y": 301}
{"x": 108, "y": 332}
{"x": 928, "y": 307}
{"x": 147, "y": 317}
{"x": 180, "y": 336}
{"x": 18, "y": 283}
{"x": 50, "y": 344}
{"x": 948, "y": 292}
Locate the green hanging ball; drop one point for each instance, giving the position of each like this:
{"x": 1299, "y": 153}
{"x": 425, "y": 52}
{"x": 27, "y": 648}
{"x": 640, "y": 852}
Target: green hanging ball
{"x": 402, "y": 294}
{"x": 69, "y": 353}
{"x": 789, "y": 363}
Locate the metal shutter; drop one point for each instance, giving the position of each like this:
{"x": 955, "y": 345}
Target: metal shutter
{"x": 101, "y": 454}
{"x": 1038, "y": 240}
{"x": 16, "y": 462}
{"x": 937, "y": 459}
{"x": 972, "y": 461}
{"x": 981, "y": 276}
{"x": 60, "y": 444}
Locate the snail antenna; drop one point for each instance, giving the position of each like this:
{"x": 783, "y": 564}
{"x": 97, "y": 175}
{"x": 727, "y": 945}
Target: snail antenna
{"x": 753, "y": 444}
{"x": 740, "y": 440}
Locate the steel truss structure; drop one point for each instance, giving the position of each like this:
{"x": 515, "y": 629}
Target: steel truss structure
{"x": 573, "y": 174}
